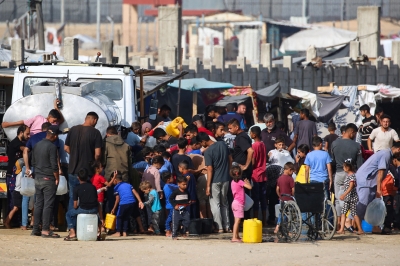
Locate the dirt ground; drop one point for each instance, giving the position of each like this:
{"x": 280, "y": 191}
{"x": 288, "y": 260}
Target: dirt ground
{"x": 19, "y": 248}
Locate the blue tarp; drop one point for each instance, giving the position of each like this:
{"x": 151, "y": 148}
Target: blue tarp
{"x": 199, "y": 84}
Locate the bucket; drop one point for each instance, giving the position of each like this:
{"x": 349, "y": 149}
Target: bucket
{"x": 366, "y": 227}
{"x": 110, "y": 221}
{"x": 252, "y": 231}
{"x": 195, "y": 227}
{"x": 86, "y": 227}
{"x": 206, "y": 225}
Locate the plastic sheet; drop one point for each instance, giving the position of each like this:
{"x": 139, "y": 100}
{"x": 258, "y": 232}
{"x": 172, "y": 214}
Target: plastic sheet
{"x": 27, "y": 186}
{"x": 376, "y": 212}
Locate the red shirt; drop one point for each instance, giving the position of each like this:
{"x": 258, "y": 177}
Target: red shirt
{"x": 98, "y": 181}
{"x": 260, "y": 162}
{"x": 205, "y": 130}
{"x": 285, "y": 184}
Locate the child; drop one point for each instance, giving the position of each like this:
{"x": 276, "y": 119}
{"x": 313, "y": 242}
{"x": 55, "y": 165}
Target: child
{"x": 259, "y": 175}
{"x": 237, "y": 186}
{"x": 168, "y": 189}
{"x": 179, "y": 200}
{"x": 125, "y": 199}
{"x": 194, "y": 148}
{"x": 302, "y": 152}
{"x": 331, "y": 137}
{"x": 17, "y": 201}
{"x": 191, "y": 187}
{"x": 349, "y": 197}
{"x": 279, "y": 156}
{"x": 154, "y": 203}
{"x": 285, "y": 185}
{"x": 84, "y": 195}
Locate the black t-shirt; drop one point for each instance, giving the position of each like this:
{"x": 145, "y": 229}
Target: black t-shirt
{"x": 177, "y": 158}
{"x": 82, "y": 141}
{"x": 242, "y": 143}
{"x": 269, "y": 138}
{"x": 330, "y": 138}
{"x": 179, "y": 198}
{"x": 14, "y": 153}
{"x": 87, "y": 195}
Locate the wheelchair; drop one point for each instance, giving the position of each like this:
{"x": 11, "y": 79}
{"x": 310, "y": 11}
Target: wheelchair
{"x": 309, "y": 207}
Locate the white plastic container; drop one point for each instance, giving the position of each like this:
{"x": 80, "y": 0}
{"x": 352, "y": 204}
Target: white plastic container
{"x": 248, "y": 202}
{"x": 27, "y": 186}
{"x": 86, "y": 227}
{"x": 62, "y": 186}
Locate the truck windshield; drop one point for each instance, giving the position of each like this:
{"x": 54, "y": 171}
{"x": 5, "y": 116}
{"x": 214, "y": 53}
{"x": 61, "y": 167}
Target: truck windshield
{"x": 112, "y": 88}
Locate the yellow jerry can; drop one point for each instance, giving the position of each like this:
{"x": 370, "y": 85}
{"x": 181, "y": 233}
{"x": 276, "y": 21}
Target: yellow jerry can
{"x": 110, "y": 221}
{"x": 252, "y": 231}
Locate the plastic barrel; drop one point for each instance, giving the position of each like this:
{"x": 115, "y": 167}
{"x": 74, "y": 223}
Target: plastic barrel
{"x": 86, "y": 227}
{"x": 110, "y": 221}
{"x": 195, "y": 227}
{"x": 252, "y": 231}
{"x": 206, "y": 225}
{"x": 366, "y": 227}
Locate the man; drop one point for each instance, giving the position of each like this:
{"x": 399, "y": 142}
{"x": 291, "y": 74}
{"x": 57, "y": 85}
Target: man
{"x": 164, "y": 139}
{"x": 83, "y": 144}
{"x": 219, "y": 131}
{"x": 318, "y": 166}
{"x": 217, "y": 179}
{"x": 370, "y": 175}
{"x": 231, "y": 113}
{"x": 378, "y": 114}
{"x": 242, "y": 151}
{"x": 198, "y": 122}
{"x": 241, "y": 110}
{"x": 382, "y": 136}
{"x": 116, "y": 155}
{"x": 271, "y": 133}
{"x": 55, "y": 117}
{"x": 162, "y": 116}
{"x": 343, "y": 149}
{"x": 369, "y": 124}
{"x": 14, "y": 152}
{"x": 305, "y": 129}
{"x": 44, "y": 159}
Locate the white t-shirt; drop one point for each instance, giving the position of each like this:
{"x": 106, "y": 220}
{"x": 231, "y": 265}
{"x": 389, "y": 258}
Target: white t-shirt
{"x": 280, "y": 158}
{"x": 383, "y": 139}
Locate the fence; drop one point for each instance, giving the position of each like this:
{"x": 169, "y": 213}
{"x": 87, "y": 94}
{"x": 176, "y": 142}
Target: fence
{"x": 84, "y": 11}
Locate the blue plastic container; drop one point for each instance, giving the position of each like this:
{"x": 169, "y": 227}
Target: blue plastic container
{"x": 366, "y": 227}
{"x": 86, "y": 227}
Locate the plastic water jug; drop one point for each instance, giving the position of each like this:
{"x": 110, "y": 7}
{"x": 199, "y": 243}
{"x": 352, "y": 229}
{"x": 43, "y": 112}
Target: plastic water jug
{"x": 86, "y": 227}
{"x": 248, "y": 203}
{"x": 27, "y": 186}
{"x": 62, "y": 186}
{"x": 252, "y": 231}
{"x": 110, "y": 221}
{"x": 366, "y": 227}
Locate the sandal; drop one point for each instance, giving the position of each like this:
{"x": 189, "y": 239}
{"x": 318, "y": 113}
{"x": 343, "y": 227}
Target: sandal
{"x": 228, "y": 230}
{"x": 350, "y": 229}
{"x": 51, "y": 235}
{"x": 71, "y": 238}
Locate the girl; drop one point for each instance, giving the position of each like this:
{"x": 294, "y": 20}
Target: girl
{"x": 237, "y": 186}
{"x": 349, "y": 197}
{"x": 302, "y": 151}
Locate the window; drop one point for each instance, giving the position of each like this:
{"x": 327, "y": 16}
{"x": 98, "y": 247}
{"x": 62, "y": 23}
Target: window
{"x": 29, "y": 81}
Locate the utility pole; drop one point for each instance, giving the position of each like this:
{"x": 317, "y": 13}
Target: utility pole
{"x": 98, "y": 22}
{"x": 40, "y": 24}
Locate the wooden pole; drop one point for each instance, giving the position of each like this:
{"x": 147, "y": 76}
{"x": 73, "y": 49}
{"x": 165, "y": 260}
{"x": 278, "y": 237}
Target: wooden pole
{"x": 194, "y": 103}
{"x": 141, "y": 98}
{"x": 179, "y": 89}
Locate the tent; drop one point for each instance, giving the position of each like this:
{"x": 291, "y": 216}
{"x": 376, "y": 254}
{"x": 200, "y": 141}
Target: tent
{"x": 199, "y": 84}
{"x": 324, "y": 37}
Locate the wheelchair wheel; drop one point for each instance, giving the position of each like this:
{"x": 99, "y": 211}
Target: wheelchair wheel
{"x": 290, "y": 227}
{"x": 328, "y": 221}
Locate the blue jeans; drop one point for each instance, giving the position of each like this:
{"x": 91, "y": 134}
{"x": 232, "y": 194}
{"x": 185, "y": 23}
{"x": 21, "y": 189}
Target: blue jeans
{"x": 72, "y": 183}
{"x": 72, "y": 215}
{"x": 25, "y": 208}
{"x": 168, "y": 221}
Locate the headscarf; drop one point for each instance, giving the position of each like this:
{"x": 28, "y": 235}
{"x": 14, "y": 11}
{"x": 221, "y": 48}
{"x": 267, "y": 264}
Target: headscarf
{"x": 144, "y": 126}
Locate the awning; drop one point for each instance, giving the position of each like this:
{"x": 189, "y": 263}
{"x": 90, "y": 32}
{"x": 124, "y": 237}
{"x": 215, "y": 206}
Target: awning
{"x": 200, "y": 84}
{"x": 329, "y": 106}
{"x": 152, "y": 83}
{"x": 232, "y": 99}
{"x": 268, "y": 94}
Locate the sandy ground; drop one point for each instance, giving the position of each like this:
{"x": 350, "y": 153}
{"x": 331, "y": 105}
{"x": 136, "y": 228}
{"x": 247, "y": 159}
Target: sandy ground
{"x": 19, "y": 248}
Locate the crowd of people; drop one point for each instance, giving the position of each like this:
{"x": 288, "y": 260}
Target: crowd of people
{"x": 155, "y": 182}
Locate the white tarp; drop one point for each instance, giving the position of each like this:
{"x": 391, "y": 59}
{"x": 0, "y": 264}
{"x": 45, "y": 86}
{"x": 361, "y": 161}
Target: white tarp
{"x": 387, "y": 46}
{"x": 320, "y": 38}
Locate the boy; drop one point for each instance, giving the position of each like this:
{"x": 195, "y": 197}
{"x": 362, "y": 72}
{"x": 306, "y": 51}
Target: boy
{"x": 126, "y": 199}
{"x": 330, "y": 138}
{"x": 191, "y": 187}
{"x": 168, "y": 189}
{"x": 279, "y": 156}
{"x": 153, "y": 202}
{"x": 219, "y": 131}
{"x": 86, "y": 194}
{"x": 195, "y": 147}
{"x": 259, "y": 175}
{"x": 179, "y": 200}
{"x": 285, "y": 185}
{"x": 181, "y": 156}
{"x": 318, "y": 166}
